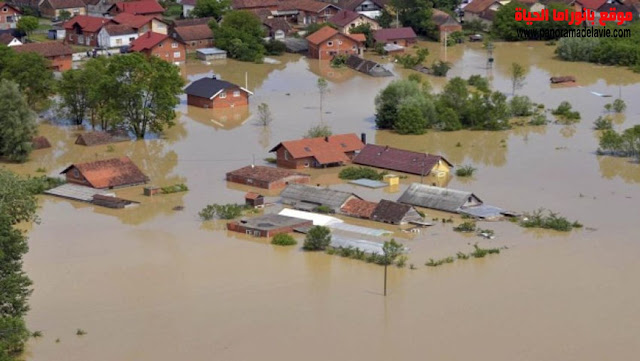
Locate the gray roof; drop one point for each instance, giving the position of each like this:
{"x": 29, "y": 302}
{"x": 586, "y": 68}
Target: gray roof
{"x": 483, "y": 211}
{"x": 443, "y": 199}
{"x": 76, "y": 192}
{"x": 268, "y": 222}
{"x": 211, "y": 51}
{"x": 299, "y": 193}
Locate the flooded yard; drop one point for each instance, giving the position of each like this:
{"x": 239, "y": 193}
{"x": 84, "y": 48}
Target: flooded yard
{"x": 151, "y": 283}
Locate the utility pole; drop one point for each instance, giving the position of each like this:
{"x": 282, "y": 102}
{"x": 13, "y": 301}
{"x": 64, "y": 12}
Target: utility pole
{"x": 246, "y": 80}
{"x": 445, "y": 45}
{"x": 385, "y": 279}
{"x": 422, "y": 170}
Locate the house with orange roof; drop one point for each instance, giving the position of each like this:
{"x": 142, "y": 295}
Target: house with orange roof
{"x": 83, "y": 30}
{"x": 334, "y": 150}
{"x": 327, "y": 42}
{"x": 105, "y": 174}
{"x": 160, "y": 45}
{"x": 59, "y": 54}
{"x": 143, "y": 7}
{"x": 483, "y": 10}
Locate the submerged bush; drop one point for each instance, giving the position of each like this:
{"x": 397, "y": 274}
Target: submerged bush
{"x": 318, "y": 239}
{"x": 436, "y": 263}
{"x": 465, "y": 171}
{"x": 481, "y": 252}
{"x": 479, "y": 82}
{"x": 565, "y": 113}
{"x": 538, "y": 119}
{"x": 351, "y": 173}
{"x": 283, "y": 239}
{"x": 323, "y": 210}
{"x": 547, "y": 220}
{"x": 222, "y": 211}
{"x": 521, "y": 106}
{"x": 181, "y": 187}
{"x": 603, "y": 123}
{"x": 440, "y": 68}
{"x": 465, "y": 227}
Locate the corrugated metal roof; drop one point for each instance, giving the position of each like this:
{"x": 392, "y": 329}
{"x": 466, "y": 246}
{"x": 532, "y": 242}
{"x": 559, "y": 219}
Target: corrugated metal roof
{"x": 483, "y": 211}
{"x": 76, "y": 192}
{"x": 298, "y": 193}
{"x": 369, "y": 183}
{"x": 444, "y": 199}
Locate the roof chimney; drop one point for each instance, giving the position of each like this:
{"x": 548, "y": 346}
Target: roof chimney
{"x": 363, "y": 138}
{"x": 326, "y": 139}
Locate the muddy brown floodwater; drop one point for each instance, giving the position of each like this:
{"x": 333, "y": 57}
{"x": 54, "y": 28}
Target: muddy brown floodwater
{"x": 151, "y": 283}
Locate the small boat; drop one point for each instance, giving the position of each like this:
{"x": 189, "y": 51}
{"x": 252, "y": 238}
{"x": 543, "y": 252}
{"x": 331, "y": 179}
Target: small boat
{"x": 601, "y": 95}
{"x": 562, "y": 79}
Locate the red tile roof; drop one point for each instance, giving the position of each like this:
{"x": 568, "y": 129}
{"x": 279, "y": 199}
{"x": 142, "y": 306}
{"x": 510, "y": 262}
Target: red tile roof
{"x": 91, "y": 24}
{"x": 115, "y": 172}
{"x": 591, "y": 4}
{"x": 252, "y": 195}
{"x": 384, "y": 35}
{"x": 398, "y": 159}
{"x": 478, "y": 6}
{"x": 359, "y": 208}
{"x": 325, "y": 150}
{"x": 47, "y": 49}
{"x": 322, "y": 35}
{"x": 344, "y": 17}
{"x": 304, "y": 5}
{"x": 194, "y": 32}
{"x": 264, "y": 173}
{"x": 134, "y": 21}
{"x": 119, "y": 29}
{"x": 143, "y": 7}
{"x": 361, "y": 38}
{"x": 15, "y": 8}
{"x": 147, "y": 41}
{"x": 248, "y": 4}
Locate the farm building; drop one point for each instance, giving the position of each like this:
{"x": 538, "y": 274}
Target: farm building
{"x": 209, "y": 54}
{"x": 308, "y": 198}
{"x": 446, "y": 23}
{"x": 98, "y": 138}
{"x": 254, "y": 199}
{"x": 395, "y": 213}
{"x": 358, "y": 208}
{"x": 40, "y": 142}
{"x": 443, "y": 199}
{"x": 317, "y": 152}
{"x": 268, "y": 225}
{"x": 108, "y": 173}
{"x": 266, "y": 177}
{"x": 401, "y": 160}
{"x": 215, "y": 93}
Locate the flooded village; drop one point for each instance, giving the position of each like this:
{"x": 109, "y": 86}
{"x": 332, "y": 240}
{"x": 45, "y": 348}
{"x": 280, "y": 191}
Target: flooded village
{"x": 131, "y": 249}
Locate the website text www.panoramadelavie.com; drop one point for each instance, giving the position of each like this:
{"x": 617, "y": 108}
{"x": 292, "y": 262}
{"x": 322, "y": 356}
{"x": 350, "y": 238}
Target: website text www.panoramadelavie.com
{"x": 542, "y": 34}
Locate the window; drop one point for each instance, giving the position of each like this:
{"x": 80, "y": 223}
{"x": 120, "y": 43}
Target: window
{"x": 339, "y": 42}
{"x": 223, "y": 95}
{"x": 286, "y": 155}
{"x": 354, "y": 47}
{"x": 177, "y": 54}
{"x": 306, "y": 164}
{"x": 118, "y": 41}
{"x": 76, "y": 173}
{"x": 193, "y": 43}
{"x": 4, "y": 10}
{"x": 131, "y": 39}
{"x": 329, "y": 43}
{"x": 160, "y": 45}
{"x": 174, "y": 45}
{"x": 236, "y": 93}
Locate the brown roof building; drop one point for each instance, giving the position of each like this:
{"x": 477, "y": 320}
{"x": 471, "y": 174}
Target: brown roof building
{"x": 446, "y": 23}
{"x": 345, "y": 20}
{"x": 401, "y": 160}
{"x": 58, "y": 53}
{"x": 358, "y": 208}
{"x": 98, "y": 138}
{"x": 398, "y": 36}
{"x": 40, "y": 142}
{"x": 328, "y": 42}
{"x": 307, "y": 11}
{"x": 483, "y": 10}
{"x": 395, "y": 213}
{"x": 109, "y": 173}
{"x": 268, "y": 225}
{"x": 266, "y": 177}
{"x": 53, "y": 8}
{"x": 194, "y": 36}
{"x": 317, "y": 152}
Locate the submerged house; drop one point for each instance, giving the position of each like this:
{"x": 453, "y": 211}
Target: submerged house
{"x": 266, "y": 177}
{"x": 449, "y": 200}
{"x": 327, "y": 42}
{"x": 358, "y": 208}
{"x": 367, "y": 66}
{"x": 395, "y": 213}
{"x": 108, "y": 173}
{"x": 397, "y": 36}
{"x": 98, "y": 138}
{"x": 446, "y": 23}
{"x": 59, "y": 54}
{"x": 40, "y": 142}
{"x": 317, "y": 152}
{"x": 308, "y": 198}
{"x": 401, "y": 160}
{"x": 209, "y": 92}
{"x": 268, "y": 225}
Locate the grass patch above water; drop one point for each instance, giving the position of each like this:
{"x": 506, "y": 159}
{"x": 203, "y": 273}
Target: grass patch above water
{"x": 283, "y": 239}
{"x": 351, "y": 173}
{"x": 545, "y": 219}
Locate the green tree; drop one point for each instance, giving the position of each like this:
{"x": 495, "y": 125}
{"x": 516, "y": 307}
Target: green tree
{"x": 318, "y": 131}
{"x": 146, "y": 92}
{"x": 410, "y": 120}
{"x": 32, "y": 74}
{"x": 313, "y": 27}
{"x": 17, "y": 123}
{"x": 211, "y": 8}
{"x": 366, "y": 30}
{"x": 28, "y": 24}
{"x": 323, "y": 89}
{"x": 73, "y": 90}
{"x": 102, "y": 106}
{"x": 391, "y": 250}
{"x": 64, "y": 15}
{"x": 521, "y": 106}
{"x": 241, "y": 34}
{"x": 417, "y": 15}
{"x": 390, "y": 98}
{"x": 317, "y": 239}
{"x": 518, "y": 74}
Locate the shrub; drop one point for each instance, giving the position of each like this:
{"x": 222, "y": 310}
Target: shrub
{"x": 271, "y": 160}
{"x": 436, "y": 263}
{"x": 351, "y": 173}
{"x": 401, "y": 261}
{"x": 275, "y": 47}
{"x": 409, "y": 61}
{"x": 379, "y": 49}
{"x": 547, "y": 220}
{"x": 521, "y": 106}
{"x": 36, "y": 334}
{"x": 180, "y": 187}
{"x": 318, "y": 239}
{"x": 465, "y": 171}
{"x": 323, "y": 210}
{"x": 565, "y": 113}
{"x": 479, "y": 82}
{"x": 538, "y": 119}
{"x": 222, "y": 211}
{"x": 461, "y": 255}
{"x": 619, "y": 106}
{"x": 465, "y": 227}
{"x": 481, "y": 252}
{"x": 81, "y": 332}
{"x": 339, "y": 61}
{"x": 603, "y": 123}
{"x": 318, "y": 131}
{"x": 440, "y": 68}
{"x": 283, "y": 239}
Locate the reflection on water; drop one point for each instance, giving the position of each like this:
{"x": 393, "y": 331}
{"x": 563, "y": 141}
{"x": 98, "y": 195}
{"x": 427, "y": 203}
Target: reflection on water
{"x": 625, "y": 168}
{"x": 225, "y": 118}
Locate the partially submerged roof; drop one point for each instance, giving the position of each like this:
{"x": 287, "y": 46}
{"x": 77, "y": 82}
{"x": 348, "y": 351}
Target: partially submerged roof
{"x": 211, "y": 51}
{"x": 391, "y": 212}
{"x": 264, "y": 173}
{"x": 252, "y": 195}
{"x": 75, "y": 192}
{"x": 325, "y": 150}
{"x": 209, "y": 87}
{"x": 114, "y": 172}
{"x": 40, "y": 142}
{"x": 390, "y": 34}
{"x": 359, "y": 208}
{"x": 298, "y": 193}
{"x": 444, "y": 199}
{"x": 367, "y": 66}
{"x": 400, "y": 160}
{"x": 370, "y": 183}
{"x": 269, "y": 222}
{"x": 98, "y": 138}
{"x": 46, "y": 49}
{"x": 484, "y": 211}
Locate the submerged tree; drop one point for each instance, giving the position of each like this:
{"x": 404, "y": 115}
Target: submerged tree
{"x": 264, "y": 114}
{"x": 318, "y": 131}
{"x": 318, "y": 239}
{"x": 518, "y": 74}
{"x": 17, "y": 123}
{"x": 323, "y": 89}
